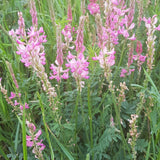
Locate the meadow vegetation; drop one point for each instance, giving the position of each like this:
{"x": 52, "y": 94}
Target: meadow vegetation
{"x": 79, "y": 80}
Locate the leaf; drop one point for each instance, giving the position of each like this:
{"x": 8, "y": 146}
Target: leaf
{"x": 24, "y": 134}
{"x": 141, "y": 145}
{"x": 60, "y": 145}
{"x": 3, "y": 154}
{"x": 88, "y": 156}
{"x": 148, "y": 151}
{"x": 149, "y": 78}
{"x": 16, "y": 137}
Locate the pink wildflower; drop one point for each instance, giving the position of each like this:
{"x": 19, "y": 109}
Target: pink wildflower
{"x": 58, "y": 72}
{"x": 93, "y": 8}
{"x": 69, "y": 13}
{"x": 79, "y": 68}
{"x": 130, "y": 71}
{"x": 139, "y": 47}
{"x": 13, "y": 95}
{"x": 16, "y": 103}
{"x": 33, "y": 13}
{"x": 123, "y": 72}
{"x": 115, "y": 2}
{"x": 133, "y": 38}
{"x": 31, "y": 49}
{"x": 139, "y": 58}
{"x": 79, "y": 39}
{"x": 33, "y": 141}
{"x": 106, "y": 58}
{"x": 26, "y": 106}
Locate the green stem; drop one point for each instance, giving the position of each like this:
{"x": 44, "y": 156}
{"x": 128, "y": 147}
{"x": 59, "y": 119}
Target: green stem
{"x": 90, "y": 118}
{"x": 83, "y": 117}
{"x": 119, "y": 123}
{"x": 76, "y": 120}
{"x": 46, "y": 130}
{"x": 24, "y": 134}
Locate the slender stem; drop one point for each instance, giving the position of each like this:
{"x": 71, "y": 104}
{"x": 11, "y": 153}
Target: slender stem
{"x": 24, "y": 134}
{"x": 46, "y": 130}
{"x": 118, "y": 120}
{"x": 90, "y": 118}
{"x": 76, "y": 120}
{"x": 83, "y": 117}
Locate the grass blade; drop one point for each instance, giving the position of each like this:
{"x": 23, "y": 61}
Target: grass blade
{"x": 24, "y": 135}
{"x": 61, "y": 146}
{"x": 46, "y": 130}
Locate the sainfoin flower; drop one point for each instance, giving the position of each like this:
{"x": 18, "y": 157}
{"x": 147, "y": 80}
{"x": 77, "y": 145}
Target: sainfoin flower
{"x": 58, "y": 72}
{"x": 33, "y": 140}
{"x": 13, "y": 95}
{"x": 93, "y": 8}
{"x": 30, "y": 47}
{"x": 106, "y": 58}
{"x": 79, "y": 68}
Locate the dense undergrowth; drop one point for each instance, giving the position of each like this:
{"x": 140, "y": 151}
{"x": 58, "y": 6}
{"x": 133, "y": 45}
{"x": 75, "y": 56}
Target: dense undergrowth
{"x": 79, "y": 79}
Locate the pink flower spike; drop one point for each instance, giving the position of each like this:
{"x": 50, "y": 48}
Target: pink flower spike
{"x": 133, "y": 38}
{"x": 65, "y": 76}
{"x": 26, "y": 106}
{"x": 38, "y": 134}
{"x": 12, "y": 33}
{"x": 139, "y": 47}
{"x": 70, "y": 56}
{"x": 16, "y": 103}
{"x": 93, "y": 8}
{"x": 130, "y": 71}
{"x": 158, "y": 28}
{"x": 13, "y": 95}
{"x": 131, "y": 26}
{"x": 29, "y": 143}
{"x": 135, "y": 57}
{"x": 21, "y": 107}
{"x": 42, "y": 147}
{"x": 115, "y": 2}
{"x": 142, "y": 58}
{"x": 123, "y": 71}
{"x": 31, "y": 126}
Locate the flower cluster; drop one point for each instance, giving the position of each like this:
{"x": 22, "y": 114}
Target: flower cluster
{"x": 78, "y": 64}
{"x": 12, "y": 100}
{"x": 33, "y": 141}
{"x": 150, "y": 24}
{"x": 139, "y": 57}
{"x": 117, "y": 21}
{"x": 106, "y": 58}
{"x": 93, "y": 8}
{"x": 58, "y": 73}
{"x": 79, "y": 68}
{"x": 124, "y": 72}
{"x": 133, "y": 133}
{"x": 79, "y": 39}
{"x": 57, "y": 70}
{"x": 121, "y": 97}
{"x": 30, "y": 47}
